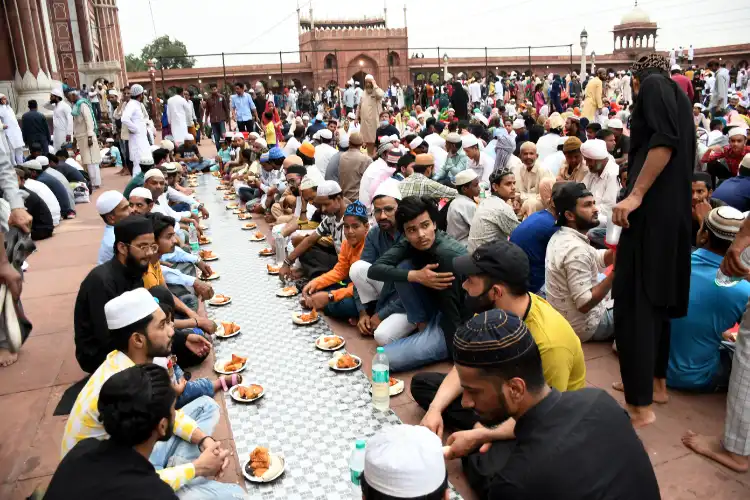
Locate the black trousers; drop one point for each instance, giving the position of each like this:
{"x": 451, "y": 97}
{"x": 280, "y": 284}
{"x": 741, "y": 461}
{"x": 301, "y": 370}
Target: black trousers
{"x": 642, "y": 331}
{"x": 318, "y": 260}
{"x": 478, "y": 467}
{"x": 246, "y": 126}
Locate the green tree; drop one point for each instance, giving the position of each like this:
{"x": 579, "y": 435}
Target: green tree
{"x": 134, "y": 63}
{"x": 170, "y": 53}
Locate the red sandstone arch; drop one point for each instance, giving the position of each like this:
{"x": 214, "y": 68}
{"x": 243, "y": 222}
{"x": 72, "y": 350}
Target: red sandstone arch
{"x": 364, "y": 64}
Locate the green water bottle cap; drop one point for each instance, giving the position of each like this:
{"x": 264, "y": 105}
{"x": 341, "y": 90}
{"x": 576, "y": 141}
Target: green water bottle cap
{"x": 380, "y": 349}
{"x": 360, "y": 444}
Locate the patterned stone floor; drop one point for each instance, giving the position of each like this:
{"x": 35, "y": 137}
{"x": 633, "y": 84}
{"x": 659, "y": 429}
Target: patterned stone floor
{"x": 309, "y": 413}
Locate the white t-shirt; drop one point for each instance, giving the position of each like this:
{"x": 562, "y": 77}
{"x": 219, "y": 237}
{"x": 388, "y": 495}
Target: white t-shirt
{"x": 93, "y": 95}
{"x": 47, "y": 196}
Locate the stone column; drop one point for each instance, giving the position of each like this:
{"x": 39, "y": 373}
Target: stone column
{"x": 16, "y": 37}
{"x": 39, "y": 38}
{"x": 83, "y": 29}
{"x": 118, "y": 47}
{"x": 26, "y": 24}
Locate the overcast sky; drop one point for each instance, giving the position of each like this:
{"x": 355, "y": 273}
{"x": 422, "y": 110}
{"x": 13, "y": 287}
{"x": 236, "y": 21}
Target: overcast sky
{"x": 215, "y": 26}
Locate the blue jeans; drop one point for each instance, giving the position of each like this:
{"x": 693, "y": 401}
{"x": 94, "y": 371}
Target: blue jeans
{"x": 343, "y": 309}
{"x": 217, "y": 130}
{"x": 247, "y": 193}
{"x": 606, "y": 328}
{"x": 181, "y": 207}
{"x": 175, "y": 451}
{"x": 197, "y": 166}
{"x": 194, "y": 388}
{"x": 420, "y": 348}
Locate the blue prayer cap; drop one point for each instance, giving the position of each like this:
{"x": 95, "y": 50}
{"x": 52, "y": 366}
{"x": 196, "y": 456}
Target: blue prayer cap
{"x": 264, "y": 158}
{"x": 356, "y": 209}
{"x": 275, "y": 153}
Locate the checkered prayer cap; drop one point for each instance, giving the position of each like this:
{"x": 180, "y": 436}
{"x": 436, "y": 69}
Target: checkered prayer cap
{"x": 491, "y": 338}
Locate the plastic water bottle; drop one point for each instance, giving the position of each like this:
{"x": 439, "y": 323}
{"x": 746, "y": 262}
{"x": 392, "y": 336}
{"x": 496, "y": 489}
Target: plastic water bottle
{"x": 727, "y": 281}
{"x": 193, "y": 238}
{"x": 381, "y": 397}
{"x": 356, "y": 468}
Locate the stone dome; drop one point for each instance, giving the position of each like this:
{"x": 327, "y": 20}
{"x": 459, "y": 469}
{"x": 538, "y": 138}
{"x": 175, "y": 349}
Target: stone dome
{"x": 637, "y": 15}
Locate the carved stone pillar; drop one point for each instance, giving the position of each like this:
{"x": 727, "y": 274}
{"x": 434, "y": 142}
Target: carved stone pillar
{"x": 83, "y": 29}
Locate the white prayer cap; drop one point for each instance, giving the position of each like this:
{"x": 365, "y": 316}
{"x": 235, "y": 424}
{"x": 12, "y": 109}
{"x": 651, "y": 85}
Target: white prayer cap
{"x": 351, "y": 115}
{"x": 111, "y": 92}
{"x": 32, "y": 164}
{"x": 596, "y": 149}
{"x": 254, "y": 135}
{"x": 154, "y": 172}
{"x": 614, "y": 123}
{"x": 189, "y": 137}
{"x": 465, "y": 177}
{"x": 305, "y": 116}
{"x": 136, "y": 90}
{"x": 172, "y": 167}
{"x": 168, "y": 145}
{"x": 326, "y": 134}
{"x": 141, "y": 192}
{"x": 393, "y": 138}
{"x": 146, "y": 159}
{"x": 57, "y": 91}
{"x": 327, "y": 188}
{"x": 453, "y": 138}
{"x": 344, "y": 140}
{"x": 469, "y": 140}
{"x": 43, "y": 160}
{"x": 319, "y": 117}
{"x": 675, "y": 67}
{"x": 73, "y": 163}
{"x": 109, "y": 139}
{"x": 154, "y": 147}
{"x": 745, "y": 161}
{"x": 388, "y": 187}
{"x": 316, "y": 135}
{"x": 261, "y": 142}
{"x": 416, "y": 142}
{"x": 108, "y": 201}
{"x": 518, "y": 124}
{"x": 239, "y": 135}
{"x": 308, "y": 182}
{"x": 369, "y": 77}
{"x": 482, "y": 119}
{"x": 737, "y": 131}
{"x": 129, "y": 308}
{"x": 405, "y": 461}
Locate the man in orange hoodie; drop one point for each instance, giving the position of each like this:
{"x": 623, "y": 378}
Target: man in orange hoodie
{"x": 333, "y": 292}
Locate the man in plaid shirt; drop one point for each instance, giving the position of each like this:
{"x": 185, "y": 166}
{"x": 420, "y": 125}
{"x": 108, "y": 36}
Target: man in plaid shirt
{"x": 420, "y": 183}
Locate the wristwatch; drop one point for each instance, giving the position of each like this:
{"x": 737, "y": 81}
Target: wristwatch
{"x": 330, "y": 297}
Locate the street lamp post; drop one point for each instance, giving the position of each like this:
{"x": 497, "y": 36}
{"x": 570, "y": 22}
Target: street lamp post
{"x": 154, "y": 97}
{"x": 445, "y": 67}
{"x": 584, "y": 44}
{"x": 593, "y": 62}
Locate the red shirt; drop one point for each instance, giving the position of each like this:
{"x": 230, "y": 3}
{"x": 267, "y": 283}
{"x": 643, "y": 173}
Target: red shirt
{"x": 732, "y": 160}
{"x": 685, "y": 84}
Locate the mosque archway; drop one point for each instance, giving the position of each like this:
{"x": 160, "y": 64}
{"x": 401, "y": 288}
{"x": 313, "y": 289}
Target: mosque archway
{"x": 362, "y": 64}
{"x": 359, "y": 77}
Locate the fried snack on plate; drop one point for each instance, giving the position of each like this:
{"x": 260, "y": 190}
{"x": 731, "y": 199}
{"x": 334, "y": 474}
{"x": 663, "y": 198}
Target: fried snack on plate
{"x": 309, "y": 316}
{"x": 250, "y": 392}
{"x": 346, "y": 361}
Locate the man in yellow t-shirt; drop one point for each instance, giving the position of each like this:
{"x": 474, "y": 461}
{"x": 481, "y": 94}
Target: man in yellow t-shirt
{"x": 496, "y": 277}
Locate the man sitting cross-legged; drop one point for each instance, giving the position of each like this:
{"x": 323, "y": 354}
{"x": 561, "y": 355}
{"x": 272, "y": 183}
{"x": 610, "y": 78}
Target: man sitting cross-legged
{"x": 316, "y": 258}
{"x": 497, "y": 277}
{"x": 494, "y": 219}
{"x": 573, "y": 266}
{"x": 697, "y": 359}
{"x": 421, "y": 267}
{"x": 326, "y": 291}
{"x": 381, "y": 312}
{"x": 139, "y": 331}
{"x": 543, "y": 437}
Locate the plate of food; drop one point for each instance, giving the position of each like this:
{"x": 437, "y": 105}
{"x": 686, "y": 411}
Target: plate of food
{"x": 204, "y": 240}
{"x": 305, "y": 318}
{"x": 230, "y": 197}
{"x": 219, "y": 300}
{"x": 214, "y": 276}
{"x": 266, "y": 252}
{"x": 236, "y": 211}
{"x": 287, "y": 291}
{"x": 207, "y": 255}
{"x": 244, "y": 216}
{"x": 249, "y": 226}
{"x": 229, "y": 366}
{"x": 273, "y": 270}
{"x": 396, "y": 386}
{"x": 344, "y": 362}
{"x": 330, "y": 342}
{"x": 232, "y": 206}
{"x": 263, "y": 466}
{"x": 221, "y": 188}
{"x": 227, "y": 329}
{"x": 257, "y": 236}
{"x": 246, "y": 393}
{"x": 203, "y": 227}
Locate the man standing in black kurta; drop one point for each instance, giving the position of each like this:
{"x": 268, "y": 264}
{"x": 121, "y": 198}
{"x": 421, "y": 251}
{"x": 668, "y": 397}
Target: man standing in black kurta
{"x": 653, "y": 256}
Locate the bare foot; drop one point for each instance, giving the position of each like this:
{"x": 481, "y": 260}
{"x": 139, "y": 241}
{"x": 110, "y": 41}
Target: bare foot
{"x": 710, "y": 447}
{"x": 641, "y": 416}
{"x": 660, "y": 392}
{"x": 7, "y": 358}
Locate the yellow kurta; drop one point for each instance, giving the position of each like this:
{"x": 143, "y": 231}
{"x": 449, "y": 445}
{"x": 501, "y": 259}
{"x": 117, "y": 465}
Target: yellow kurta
{"x": 593, "y": 100}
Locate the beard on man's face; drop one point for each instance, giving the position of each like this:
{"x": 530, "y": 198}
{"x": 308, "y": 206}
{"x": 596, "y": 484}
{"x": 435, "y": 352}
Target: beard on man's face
{"x": 294, "y": 190}
{"x": 153, "y": 351}
{"x": 135, "y": 265}
{"x": 170, "y": 430}
{"x": 497, "y": 416}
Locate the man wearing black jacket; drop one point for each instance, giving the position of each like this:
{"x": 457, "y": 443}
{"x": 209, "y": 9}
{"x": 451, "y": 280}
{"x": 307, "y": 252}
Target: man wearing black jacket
{"x": 34, "y": 127}
{"x": 421, "y": 267}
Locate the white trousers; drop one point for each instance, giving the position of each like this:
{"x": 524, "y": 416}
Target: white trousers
{"x": 18, "y": 154}
{"x": 394, "y": 327}
{"x": 94, "y": 174}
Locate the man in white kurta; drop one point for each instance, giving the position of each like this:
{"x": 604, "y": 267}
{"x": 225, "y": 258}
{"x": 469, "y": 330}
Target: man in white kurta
{"x": 12, "y": 130}
{"x": 62, "y": 119}
{"x": 132, "y": 118}
{"x": 84, "y": 132}
{"x": 178, "y": 115}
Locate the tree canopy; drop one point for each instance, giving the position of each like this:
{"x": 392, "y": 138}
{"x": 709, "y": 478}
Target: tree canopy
{"x": 170, "y": 54}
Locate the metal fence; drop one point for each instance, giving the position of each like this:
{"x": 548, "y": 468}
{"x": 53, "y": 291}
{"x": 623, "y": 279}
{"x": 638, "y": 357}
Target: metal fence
{"x": 283, "y": 68}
